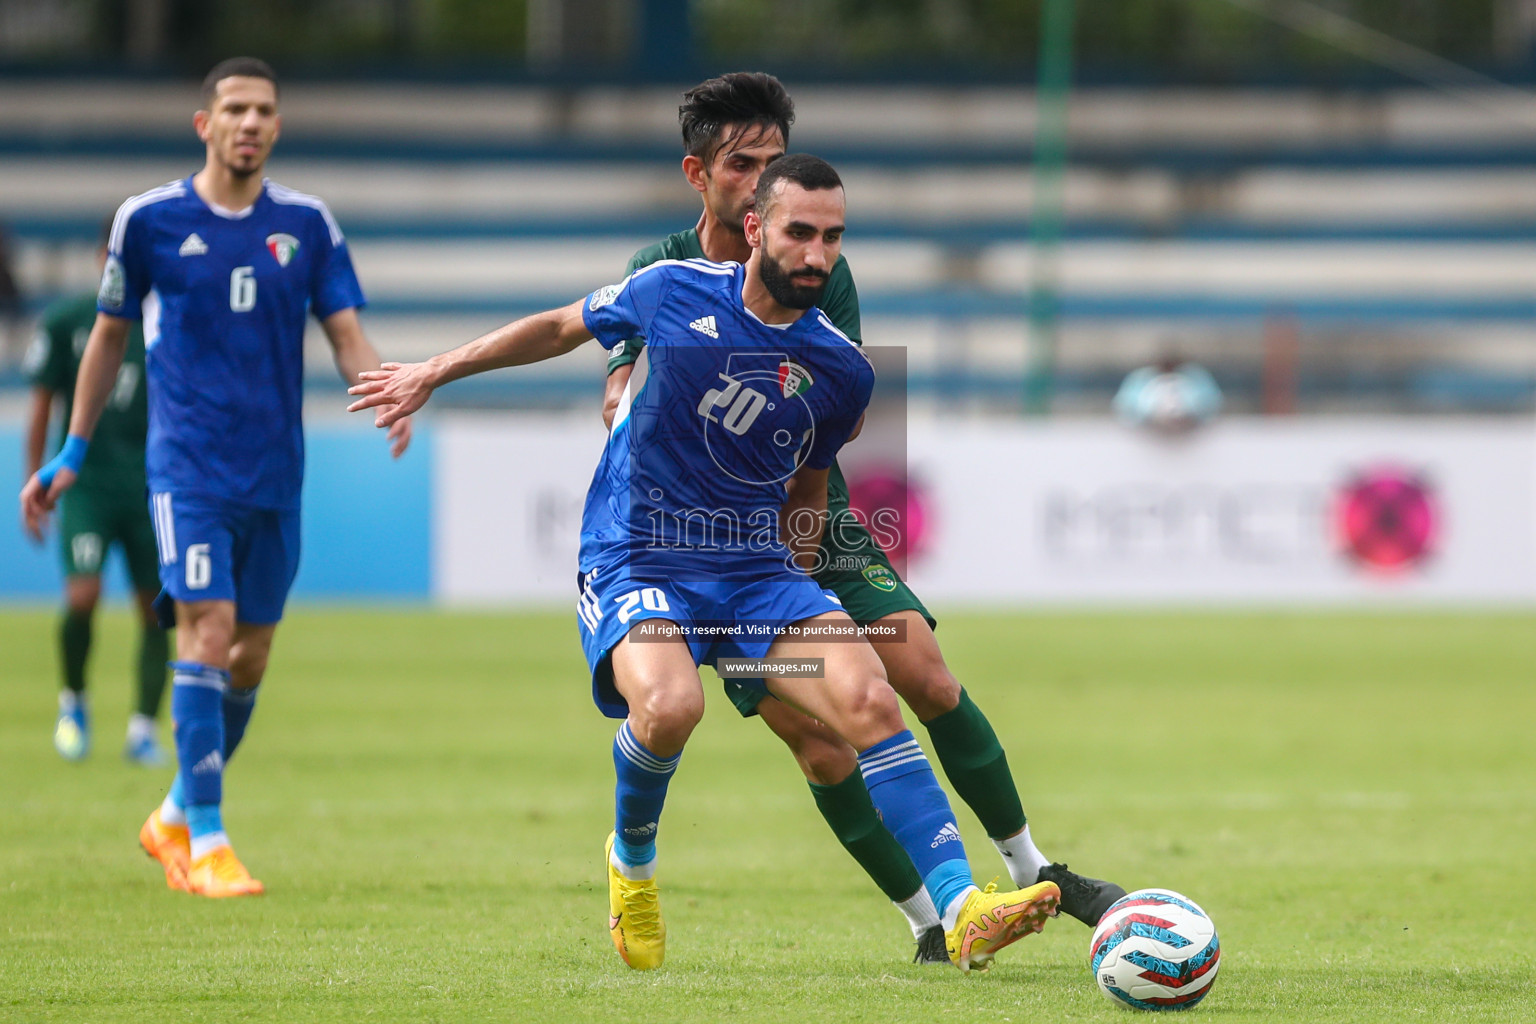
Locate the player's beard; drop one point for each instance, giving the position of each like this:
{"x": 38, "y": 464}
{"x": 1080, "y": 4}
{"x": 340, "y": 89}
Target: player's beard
{"x": 784, "y": 291}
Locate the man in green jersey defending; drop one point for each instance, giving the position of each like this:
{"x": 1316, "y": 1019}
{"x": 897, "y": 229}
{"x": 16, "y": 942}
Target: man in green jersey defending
{"x": 733, "y": 126}
{"x": 108, "y": 506}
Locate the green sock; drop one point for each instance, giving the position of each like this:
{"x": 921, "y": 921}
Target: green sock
{"x": 976, "y": 766}
{"x": 851, "y": 813}
{"x": 154, "y": 652}
{"x": 75, "y": 640}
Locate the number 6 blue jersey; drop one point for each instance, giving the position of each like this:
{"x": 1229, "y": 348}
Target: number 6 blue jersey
{"x": 693, "y": 477}
{"x": 224, "y": 298}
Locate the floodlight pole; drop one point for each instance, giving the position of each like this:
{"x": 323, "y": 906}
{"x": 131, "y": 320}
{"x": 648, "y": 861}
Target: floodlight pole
{"x": 1046, "y": 215}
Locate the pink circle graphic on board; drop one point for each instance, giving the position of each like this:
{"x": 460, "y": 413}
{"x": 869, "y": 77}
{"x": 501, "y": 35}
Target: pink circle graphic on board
{"x": 1387, "y": 518}
{"x": 894, "y": 509}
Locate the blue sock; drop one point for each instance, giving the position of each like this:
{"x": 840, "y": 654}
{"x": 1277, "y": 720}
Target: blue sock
{"x": 238, "y": 705}
{"x": 639, "y": 795}
{"x": 197, "y": 698}
{"x": 901, "y": 784}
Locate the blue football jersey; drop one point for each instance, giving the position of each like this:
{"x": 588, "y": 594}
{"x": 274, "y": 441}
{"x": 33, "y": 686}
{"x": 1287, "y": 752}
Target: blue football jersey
{"x": 693, "y": 477}
{"x": 224, "y": 298}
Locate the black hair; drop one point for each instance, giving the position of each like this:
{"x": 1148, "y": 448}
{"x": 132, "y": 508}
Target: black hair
{"x": 733, "y": 103}
{"x": 243, "y": 67}
{"x": 811, "y": 173}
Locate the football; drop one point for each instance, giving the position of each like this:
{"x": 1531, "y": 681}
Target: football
{"x": 1155, "y": 950}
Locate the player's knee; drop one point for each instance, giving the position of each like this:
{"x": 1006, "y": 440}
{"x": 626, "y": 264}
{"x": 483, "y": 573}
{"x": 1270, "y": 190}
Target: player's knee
{"x": 918, "y": 673}
{"x": 206, "y": 638}
{"x": 872, "y": 712}
{"x": 664, "y": 718}
{"x": 247, "y": 666}
{"x": 931, "y": 692}
{"x": 81, "y": 594}
{"x": 827, "y": 763}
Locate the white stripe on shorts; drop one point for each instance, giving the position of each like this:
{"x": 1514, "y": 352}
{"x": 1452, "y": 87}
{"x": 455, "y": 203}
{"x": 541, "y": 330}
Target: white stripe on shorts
{"x": 165, "y": 528}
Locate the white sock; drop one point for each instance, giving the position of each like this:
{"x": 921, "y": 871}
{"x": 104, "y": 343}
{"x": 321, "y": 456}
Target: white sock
{"x": 1024, "y": 861}
{"x": 633, "y": 872}
{"x": 919, "y": 911}
{"x": 140, "y": 726}
{"x": 68, "y": 701}
{"x": 952, "y": 912}
{"x": 171, "y": 812}
{"x": 204, "y": 845}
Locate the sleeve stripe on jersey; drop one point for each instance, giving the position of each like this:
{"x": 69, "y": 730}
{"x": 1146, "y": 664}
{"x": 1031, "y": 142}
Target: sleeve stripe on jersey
{"x": 703, "y": 266}
{"x": 822, "y": 319}
{"x": 170, "y": 190}
{"x": 288, "y": 197}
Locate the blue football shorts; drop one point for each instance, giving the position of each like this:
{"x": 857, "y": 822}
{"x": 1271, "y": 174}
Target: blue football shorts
{"x": 211, "y": 551}
{"x": 720, "y": 618}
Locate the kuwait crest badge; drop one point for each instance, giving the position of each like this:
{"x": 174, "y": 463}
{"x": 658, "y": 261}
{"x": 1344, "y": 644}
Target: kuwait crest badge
{"x": 794, "y": 379}
{"x": 282, "y": 248}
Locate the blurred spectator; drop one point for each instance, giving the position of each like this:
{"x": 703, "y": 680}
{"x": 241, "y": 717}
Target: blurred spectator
{"x": 1173, "y": 396}
{"x": 10, "y": 301}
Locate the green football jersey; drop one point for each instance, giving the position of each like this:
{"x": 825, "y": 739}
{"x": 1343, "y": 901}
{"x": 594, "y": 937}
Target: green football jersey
{"x": 840, "y": 301}
{"x": 115, "y": 460}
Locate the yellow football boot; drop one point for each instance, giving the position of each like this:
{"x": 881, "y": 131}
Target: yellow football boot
{"x": 171, "y": 845}
{"x": 219, "y": 873}
{"x": 634, "y": 917}
{"x": 990, "y": 920}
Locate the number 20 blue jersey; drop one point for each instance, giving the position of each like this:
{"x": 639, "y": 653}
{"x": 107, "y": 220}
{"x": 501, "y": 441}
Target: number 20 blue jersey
{"x": 224, "y": 298}
{"x": 693, "y": 478}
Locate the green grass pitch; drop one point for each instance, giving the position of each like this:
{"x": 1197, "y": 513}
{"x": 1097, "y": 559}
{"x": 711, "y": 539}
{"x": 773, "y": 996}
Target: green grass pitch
{"x": 1351, "y": 797}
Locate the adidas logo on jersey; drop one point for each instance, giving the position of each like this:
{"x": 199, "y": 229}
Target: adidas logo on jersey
{"x": 947, "y": 834}
{"x": 214, "y": 762}
{"x": 193, "y": 246}
{"x": 706, "y": 325}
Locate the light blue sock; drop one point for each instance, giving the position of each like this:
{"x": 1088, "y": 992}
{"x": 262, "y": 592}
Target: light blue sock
{"x": 205, "y": 826}
{"x": 638, "y": 798}
{"x": 916, "y": 811}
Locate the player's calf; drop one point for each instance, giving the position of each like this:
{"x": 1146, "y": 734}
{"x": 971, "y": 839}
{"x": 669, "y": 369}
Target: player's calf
{"x": 823, "y": 756}
{"x": 915, "y": 666}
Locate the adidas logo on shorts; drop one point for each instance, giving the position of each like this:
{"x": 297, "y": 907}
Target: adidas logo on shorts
{"x": 706, "y": 325}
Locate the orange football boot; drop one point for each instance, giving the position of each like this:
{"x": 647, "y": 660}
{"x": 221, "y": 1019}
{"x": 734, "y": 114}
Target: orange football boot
{"x": 171, "y": 845}
{"x": 219, "y": 873}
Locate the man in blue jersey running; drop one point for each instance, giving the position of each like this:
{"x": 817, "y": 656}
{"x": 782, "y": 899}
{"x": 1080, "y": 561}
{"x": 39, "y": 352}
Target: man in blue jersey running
{"x": 222, "y": 268}
{"x": 704, "y": 512}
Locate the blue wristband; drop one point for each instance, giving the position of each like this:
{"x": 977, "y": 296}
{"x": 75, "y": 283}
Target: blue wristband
{"x": 71, "y": 456}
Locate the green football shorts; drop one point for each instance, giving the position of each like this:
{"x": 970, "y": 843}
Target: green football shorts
{"x": 863, "y": 579}
{"x": 92, "y": 520}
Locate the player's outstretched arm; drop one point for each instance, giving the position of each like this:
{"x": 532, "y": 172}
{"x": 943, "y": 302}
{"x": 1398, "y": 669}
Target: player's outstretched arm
{"x": 98, "y": 373}
{"x": 355, "y": 355}
{"x": 399, "y": 389}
